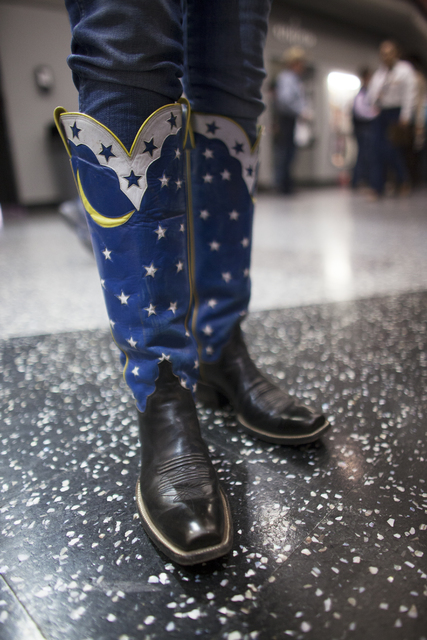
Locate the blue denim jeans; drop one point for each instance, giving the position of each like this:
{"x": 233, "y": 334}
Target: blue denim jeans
{"x": 130, "y": 57}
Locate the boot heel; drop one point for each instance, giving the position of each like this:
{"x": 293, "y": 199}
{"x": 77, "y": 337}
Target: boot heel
{"x": 210, "y": 397}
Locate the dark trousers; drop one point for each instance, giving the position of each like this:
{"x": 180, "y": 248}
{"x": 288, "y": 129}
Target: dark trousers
{"x": 386, "y": 153}
{"x": 285, "y": 152}
{"x": 363, "y": 131}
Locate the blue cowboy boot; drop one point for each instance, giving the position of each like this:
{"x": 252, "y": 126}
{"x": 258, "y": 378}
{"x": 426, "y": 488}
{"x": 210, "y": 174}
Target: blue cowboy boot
{"x": 136, "y": 209}
{"x": 223, "y": 182}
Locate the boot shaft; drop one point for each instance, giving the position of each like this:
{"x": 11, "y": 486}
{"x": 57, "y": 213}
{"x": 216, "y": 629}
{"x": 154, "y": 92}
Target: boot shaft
{"x": 224, "y": 169}
{"x": 162, "y": 291}
{"x": 136, "y": 209}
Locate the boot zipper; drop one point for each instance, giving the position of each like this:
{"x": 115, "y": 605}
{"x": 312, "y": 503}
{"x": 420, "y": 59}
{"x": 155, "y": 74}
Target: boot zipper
{"x": 194, "y": 298}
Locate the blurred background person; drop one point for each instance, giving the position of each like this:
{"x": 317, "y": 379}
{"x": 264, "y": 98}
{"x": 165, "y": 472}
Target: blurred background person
{"x": 363, "y": 117}
{"x": 393, "y": 91}
{"x": 414, "y": 154}
{"x": 289, "y": 105}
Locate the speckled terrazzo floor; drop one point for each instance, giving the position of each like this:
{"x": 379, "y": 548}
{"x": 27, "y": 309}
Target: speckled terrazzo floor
{"x": 330, "y": 539}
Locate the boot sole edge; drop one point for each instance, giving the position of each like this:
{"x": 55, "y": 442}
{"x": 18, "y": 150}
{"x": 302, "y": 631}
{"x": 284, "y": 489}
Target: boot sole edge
{"x": 209, "y": 396}
{"x": 267, "y": 436}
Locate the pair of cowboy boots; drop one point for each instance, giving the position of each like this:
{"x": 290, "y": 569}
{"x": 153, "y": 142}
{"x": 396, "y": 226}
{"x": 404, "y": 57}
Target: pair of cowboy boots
{"x": 171, "y": 222}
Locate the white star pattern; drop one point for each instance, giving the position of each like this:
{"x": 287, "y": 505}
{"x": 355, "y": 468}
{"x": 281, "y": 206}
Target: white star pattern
{"x": 103, "y": 284}
{"x": 237, "y": 148}
{"x": 161, "y": 232}
{"x": 123, "y": 299}
{"x": 151, "y": 270}
{"x": 164, "y": 180}
{"x": 151, "y": 310}
{"x": 187, "y": 333}
{"x": 208, "y": 331}
{"x": 183, "y": 383}
{"x": 194, "y": 388}
{"x": 112, "y": 323}
{"x": 164, "y": 357}
{"x": 204, "y": 327}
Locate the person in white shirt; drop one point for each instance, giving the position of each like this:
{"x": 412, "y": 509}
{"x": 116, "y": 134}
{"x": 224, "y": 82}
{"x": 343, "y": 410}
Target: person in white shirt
{"x": 393, "y": 92}
{"x": 290, "y": 103}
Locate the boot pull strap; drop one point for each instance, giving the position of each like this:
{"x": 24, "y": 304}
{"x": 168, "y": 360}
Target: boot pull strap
{"x": 260, "y": 133}
{"x": 188, "y": 140}
{"x": 57, "y": 117}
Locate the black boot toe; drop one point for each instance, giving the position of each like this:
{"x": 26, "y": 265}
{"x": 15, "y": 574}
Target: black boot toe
{"x": 181, "y": 504}
{"x": 261, "y": 407}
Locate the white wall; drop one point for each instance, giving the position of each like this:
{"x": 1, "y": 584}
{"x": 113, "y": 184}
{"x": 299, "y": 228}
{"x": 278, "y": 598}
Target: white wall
{"x": 29, "y": 37}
